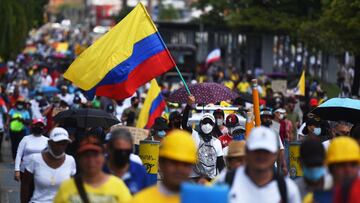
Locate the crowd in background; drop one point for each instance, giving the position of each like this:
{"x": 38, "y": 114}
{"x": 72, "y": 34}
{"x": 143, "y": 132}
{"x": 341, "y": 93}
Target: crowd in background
{"x": 46, "y": 153}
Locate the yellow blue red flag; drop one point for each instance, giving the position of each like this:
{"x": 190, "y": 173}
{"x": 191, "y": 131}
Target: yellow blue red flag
{"x": 153, "y": 107}
{"x": 129, "y": 55}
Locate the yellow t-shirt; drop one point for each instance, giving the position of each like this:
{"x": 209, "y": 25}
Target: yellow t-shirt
{"x": 243, "y": 87}
{"x": 113, "y": 191}
{"x": 153, "y": 195}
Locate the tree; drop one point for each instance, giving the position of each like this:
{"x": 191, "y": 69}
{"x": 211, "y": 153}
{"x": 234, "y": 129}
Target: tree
{"x": 336, "y": 31}
{"x": 17, "y": 18}
{"x": 279, "y": 16}
{"x": 168, "y": 13}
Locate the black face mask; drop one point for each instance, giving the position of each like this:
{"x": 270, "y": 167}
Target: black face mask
{"x": 121, "y": 157}
{"x": 135, "y": 105}
{"x": 37, "y": 130}
{"x": 267, "y": 123}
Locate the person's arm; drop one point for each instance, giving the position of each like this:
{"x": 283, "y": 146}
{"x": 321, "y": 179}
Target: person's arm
{"x": 27, "y": 119}
{"x": 124, "y": 115}
{"x": 220, "y": 163}
{"x": 281, "y": 163}
{"x": 186, "y": 113}
{"x": 19, "y": 155}
{"x": 25, "y": 188}
{"x": 8, "y": 119}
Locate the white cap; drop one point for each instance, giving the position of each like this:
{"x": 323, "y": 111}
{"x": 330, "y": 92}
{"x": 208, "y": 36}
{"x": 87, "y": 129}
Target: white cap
{"x": 280, "y": 110}
{"x": 209, "y": 116}
{"x": 59, "y": 134}
{"x": 262, "y": 138}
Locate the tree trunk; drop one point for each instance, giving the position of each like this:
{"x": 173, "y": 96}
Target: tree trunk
{"x": 356, "y": 81}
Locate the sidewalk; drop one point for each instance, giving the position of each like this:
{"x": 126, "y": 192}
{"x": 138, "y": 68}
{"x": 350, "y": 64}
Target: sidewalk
{"x": 9, "y": 188}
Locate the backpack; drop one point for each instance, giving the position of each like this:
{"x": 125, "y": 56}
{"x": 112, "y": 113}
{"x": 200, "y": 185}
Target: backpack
{"x": 15, "y": 124}
{"x": 230, "y": 175}
{"x": 206, "y": 166}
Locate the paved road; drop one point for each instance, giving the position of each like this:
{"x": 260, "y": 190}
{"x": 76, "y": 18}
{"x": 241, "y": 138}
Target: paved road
{"x": 9, "y": 188}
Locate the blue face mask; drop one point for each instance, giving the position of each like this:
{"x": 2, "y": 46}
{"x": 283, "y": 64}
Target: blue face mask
{"x": 314, "y": 174}
{"x": 161, "y": 133}
{"x": 317, "y": 131}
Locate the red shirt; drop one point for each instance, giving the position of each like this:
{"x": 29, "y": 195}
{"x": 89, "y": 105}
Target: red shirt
{"x": 353, "y": 193}
{"x": 225, "y": 140}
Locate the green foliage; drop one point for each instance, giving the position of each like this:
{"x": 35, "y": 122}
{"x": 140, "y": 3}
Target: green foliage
{"x": 281, "y": 16}
{"x": 338, "y": 28}
{"x": 123, "y": 12}
{"x": 168, "y": 13}
{"x": 330, "y": 25}
{"x": 17, "y": 18}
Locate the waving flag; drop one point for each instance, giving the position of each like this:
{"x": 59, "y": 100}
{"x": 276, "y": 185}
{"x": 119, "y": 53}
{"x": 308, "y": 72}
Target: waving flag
{"x": 153, "y": 107}
{"x": 129, "y": 55}
{"x": 214, "y": 56}
{"x": 300, "y": 88}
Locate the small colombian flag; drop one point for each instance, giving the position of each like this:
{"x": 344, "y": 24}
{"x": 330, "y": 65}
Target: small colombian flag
{"x": 153, "y": 107}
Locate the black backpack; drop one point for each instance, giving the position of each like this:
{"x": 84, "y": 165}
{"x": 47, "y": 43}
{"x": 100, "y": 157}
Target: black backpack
{"x": 229, "y": 180}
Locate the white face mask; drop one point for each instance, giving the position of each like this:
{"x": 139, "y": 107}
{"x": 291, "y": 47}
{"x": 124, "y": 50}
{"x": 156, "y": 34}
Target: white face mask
{"x": 219, "y": 121}
{"x": 53, "y": 155}
{"x": 282, "y": 116}
{"x": 207, "y": 128}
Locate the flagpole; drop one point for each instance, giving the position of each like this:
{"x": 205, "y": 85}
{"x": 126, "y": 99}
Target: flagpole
{"x": 167, "y": 50}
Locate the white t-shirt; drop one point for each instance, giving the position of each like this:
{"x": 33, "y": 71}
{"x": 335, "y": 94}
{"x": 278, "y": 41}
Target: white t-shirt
{"x": 245, "y": 190}
{"x": 48, "y": 180}
{"x": 46, "y": 81}
{"x": 281, "y": 145}
{"x": 68, "y": 98}
{"x": 135, "y": 158}
{"x": 29, "y": 145}
{"x": 214, "y": 142}
{"x": 35, "y": 110}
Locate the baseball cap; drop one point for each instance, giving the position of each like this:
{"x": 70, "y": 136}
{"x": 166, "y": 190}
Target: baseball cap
{"x": 313, "y": 121}
{"x": 236, "y": 148}
{"x": 280, "y": 110}
{"x": 262, "y": 138}
{"x": 232, "y": 120}
{"x": 90, "y": 143}
{"x": 219, "y": 112}
{"x": 209, "y": 116}
{"x": 239, "y": 127}
{"x": 59, "y": 134}
{"x": 266, "y": 112}
{"x": 38, "y": 120}
{"x": 312, "y": 153}
{"x": 160, "y": 124}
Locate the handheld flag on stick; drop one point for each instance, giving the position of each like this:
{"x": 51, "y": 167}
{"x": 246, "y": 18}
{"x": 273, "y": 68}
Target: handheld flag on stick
{"x": 153, "y": 107}
{"x": 214, "y": 56}
{"x": 300, "y": 88}
{"x": 129, "y": 55}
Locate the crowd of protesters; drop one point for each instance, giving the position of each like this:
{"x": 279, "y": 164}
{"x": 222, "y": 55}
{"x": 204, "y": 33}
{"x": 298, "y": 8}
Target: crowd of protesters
{"x": 61, "y": 162}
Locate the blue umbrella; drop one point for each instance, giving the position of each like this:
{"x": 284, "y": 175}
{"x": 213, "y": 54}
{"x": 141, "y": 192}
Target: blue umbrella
{"x": 339, "y": 109}
{"x": 49, "y": 90}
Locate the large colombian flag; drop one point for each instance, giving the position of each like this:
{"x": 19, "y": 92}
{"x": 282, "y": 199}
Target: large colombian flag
{"x": 129, "y": 55}
{"x": 153, "y": 107}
